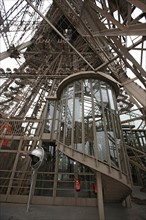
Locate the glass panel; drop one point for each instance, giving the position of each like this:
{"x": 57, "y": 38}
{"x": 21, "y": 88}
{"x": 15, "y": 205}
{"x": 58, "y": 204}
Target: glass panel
{"x": 78, "y": 117}
{"x": 88, "y": 136}
{"x": 111, "y": 100}
{"x": 49, "y": 118}
{"x": 104, "y": 94}
{"x": 63, "y": 104}
{"x": 111, "y": 135}
{"x": 50, "y": 149}
{"x": 69, "y": 115}
{"x": 57, "y": 118}
{"x": 65, "y": 165}
{"x": 88, "y": 119}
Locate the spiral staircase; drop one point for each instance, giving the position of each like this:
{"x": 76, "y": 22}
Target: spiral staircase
{"x": 68, "y": 37}
{"x": 116, "y": 185}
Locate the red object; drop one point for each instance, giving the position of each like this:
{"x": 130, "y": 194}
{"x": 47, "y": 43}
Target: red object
{"x": 77, "y": 184}
{"x": 95, "y": 187}
{"x": 5, "y": 130}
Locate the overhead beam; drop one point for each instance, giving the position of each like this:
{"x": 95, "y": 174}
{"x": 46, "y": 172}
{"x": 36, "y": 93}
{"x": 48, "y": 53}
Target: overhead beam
{"x": 121, "y": 49}
{"x": 55, "y": 29}
{"x": 138, "y": 3}
{"x": 13, "y": 76}
{"x": 130, "y": 30}
{"x": 13, "y": 52}
{"x": 133, "y": 119}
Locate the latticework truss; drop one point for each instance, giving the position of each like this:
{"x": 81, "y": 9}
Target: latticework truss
{"x": 51, "y": 41}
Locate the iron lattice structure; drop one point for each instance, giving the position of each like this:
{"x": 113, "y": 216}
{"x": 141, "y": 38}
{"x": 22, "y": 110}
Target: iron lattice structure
{"x": 52, "y": 40}
{"x": 104, "y": 36}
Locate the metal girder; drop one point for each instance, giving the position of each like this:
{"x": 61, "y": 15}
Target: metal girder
{"x": 73, "y": 8}
{"x": 135, "y": 29}
{"x": 122, "y": 50}
{"x": 14, "y": 76}
{"x": 118, "y": 44}
{"x": 82, "y": 27}
{"x": 138, "y": 3}
{"x": 4, "y": 24}
{"x": 140, "y": 166}
{"x": 136, "y": 91}
{"x": 55, "y": 29}
{"x": 12, "y": 9}
{"x": 13, "y": 52}
{"x": 132, "y": 87}
{"x": 108, "y": 16}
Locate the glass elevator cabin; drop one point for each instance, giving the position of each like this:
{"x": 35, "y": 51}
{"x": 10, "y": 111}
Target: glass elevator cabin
{"x": 89, "y": 135}
{"x": 89, "y": 120}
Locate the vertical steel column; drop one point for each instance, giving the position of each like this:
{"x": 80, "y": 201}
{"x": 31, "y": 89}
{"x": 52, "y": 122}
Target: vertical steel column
{"x": 55, "y": 176}
{"x": 33, "y": 177}
{"x": 100, "y": 196}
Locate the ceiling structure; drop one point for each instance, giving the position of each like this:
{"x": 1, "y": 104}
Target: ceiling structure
{"x": 51, "y": 40}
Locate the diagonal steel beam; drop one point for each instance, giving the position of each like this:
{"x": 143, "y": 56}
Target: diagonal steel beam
{"x": 13, "y": 50}
{"x": 135, "y": 29}
{"x": 139, "y": 3}
{"x": 55, "y": 29}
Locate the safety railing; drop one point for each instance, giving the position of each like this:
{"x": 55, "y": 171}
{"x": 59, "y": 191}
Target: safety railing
{"x": 24, "y": 127}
